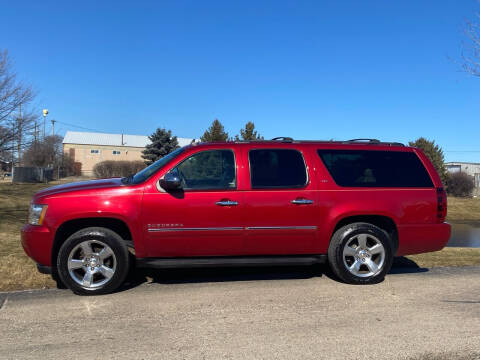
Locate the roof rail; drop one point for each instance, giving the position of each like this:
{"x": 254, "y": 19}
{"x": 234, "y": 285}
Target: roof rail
{"x": 287, "y": 139}
{"x": 373, "y": 141}
{"x": 283, "y": 138}
{"x": 376, "y": 141}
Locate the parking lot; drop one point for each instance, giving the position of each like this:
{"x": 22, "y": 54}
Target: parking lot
{"x": 283, "y": 313}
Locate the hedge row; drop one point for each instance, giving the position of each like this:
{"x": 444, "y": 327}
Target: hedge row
{"x": 111, "y": 168}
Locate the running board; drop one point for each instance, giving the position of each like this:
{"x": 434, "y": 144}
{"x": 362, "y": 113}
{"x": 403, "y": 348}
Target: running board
{"x": 228, "y": 261}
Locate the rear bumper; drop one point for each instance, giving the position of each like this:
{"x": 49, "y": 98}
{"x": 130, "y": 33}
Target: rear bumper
{"x": 416, "y": 239}
{"x": 37, "y": 243}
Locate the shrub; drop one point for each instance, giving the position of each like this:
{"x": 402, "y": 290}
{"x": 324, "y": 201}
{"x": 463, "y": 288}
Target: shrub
{"x": 460, "y": 184}
{"x": 112, "y": 168}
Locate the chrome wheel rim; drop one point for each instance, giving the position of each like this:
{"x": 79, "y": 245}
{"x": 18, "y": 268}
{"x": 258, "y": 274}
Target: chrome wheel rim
{"x": 91, "y": 264}
{"x": 364, "y": 255}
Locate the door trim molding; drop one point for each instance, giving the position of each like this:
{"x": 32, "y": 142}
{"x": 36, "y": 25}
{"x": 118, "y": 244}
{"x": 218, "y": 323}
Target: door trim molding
{"x": 195, "y": 229}
{"x": 234, "y": 228}
{"x": 281, "y": 228}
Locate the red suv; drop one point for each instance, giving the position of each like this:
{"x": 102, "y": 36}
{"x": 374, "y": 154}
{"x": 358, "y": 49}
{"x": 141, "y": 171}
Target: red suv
{"x": 355, "y": 203}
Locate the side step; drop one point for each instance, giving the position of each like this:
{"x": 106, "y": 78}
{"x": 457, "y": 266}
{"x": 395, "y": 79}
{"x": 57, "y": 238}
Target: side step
{"x": 228, "y": 261}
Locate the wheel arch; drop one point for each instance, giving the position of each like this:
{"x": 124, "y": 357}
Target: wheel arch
{"x": 385, "y": 223}
{"x": 69, "y": 227}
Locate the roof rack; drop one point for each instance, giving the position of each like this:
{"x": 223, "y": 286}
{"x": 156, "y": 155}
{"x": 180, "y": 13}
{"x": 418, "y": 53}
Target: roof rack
{"x": 287, "y": 139}
{"x": 351, "y": 141}
{"x": 370, "y": 141}
{"x": 374, "y": 141}
{"x": 283, "y": 138}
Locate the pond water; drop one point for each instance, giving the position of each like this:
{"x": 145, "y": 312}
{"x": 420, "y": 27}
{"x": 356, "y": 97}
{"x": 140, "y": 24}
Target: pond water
{"x": 464, "y": 236}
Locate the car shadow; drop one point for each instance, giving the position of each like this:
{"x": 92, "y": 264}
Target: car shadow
{"x": 139, "y": 276}
{"x": 403, "y": 265}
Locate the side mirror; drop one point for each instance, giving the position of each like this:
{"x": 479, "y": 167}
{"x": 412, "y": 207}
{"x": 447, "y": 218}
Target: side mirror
{"x": 171, "y": 181}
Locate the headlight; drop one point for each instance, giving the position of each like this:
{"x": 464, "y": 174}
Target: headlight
{"x": 36, "y": 214}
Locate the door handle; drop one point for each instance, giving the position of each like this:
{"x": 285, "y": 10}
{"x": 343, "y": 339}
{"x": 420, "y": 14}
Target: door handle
{"x": 226, "y": 203}
{"x": 302, "y": 202}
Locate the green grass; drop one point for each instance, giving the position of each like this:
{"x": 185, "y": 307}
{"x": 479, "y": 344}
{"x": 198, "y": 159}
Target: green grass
{"x": 17, "y": 271}
{"x": 448, "y": 257}
{"x": 464, "y": 211}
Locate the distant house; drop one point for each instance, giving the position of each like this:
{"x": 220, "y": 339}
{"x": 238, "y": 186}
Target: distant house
{"x": 90, "y": 148}
{"x": 472, "y": 169}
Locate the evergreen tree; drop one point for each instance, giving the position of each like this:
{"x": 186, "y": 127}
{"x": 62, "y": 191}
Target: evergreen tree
{"x": 215, "y": 133}
{"x": 248, "y": 133}
{"x": 434, "y": 153}
{"x": 162, "y": 144}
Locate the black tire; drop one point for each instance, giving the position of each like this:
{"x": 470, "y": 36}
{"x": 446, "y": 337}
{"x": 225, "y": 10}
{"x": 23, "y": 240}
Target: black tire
{"x": 340, "y": 264}
{"x": 56, "y": 278}
{"x": 95, "y": 236}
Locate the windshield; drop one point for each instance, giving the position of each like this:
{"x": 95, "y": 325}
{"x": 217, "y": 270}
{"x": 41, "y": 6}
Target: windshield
{"x": 144, "y": 174}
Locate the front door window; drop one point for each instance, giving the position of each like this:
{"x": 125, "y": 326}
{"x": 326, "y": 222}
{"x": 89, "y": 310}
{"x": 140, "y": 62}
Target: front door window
{"x": 208, "y": 170}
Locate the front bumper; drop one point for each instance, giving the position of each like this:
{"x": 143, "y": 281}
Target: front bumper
{"x": 37, "y": 242}
{"x": 416, "y": 239}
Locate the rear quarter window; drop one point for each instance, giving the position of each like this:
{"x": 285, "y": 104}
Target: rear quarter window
{"x": 368, "y": 168}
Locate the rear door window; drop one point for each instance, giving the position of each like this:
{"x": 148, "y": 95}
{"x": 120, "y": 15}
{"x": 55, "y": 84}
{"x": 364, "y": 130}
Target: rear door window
{"x": 367, "y": 168}
{"x": 277, "y": 168}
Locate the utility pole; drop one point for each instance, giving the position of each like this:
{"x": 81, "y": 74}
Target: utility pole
{"x": 19, "y": 129}
{"x": 53, "y": 126}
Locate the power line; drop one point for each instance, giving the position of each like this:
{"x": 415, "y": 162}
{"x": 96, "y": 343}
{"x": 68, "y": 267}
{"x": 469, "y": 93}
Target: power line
{"x": 80, "y": 127}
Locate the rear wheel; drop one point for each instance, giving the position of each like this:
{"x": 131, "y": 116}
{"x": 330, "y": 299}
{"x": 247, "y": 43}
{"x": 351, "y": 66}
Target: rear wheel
{"x": 360, "y": 253}
{"x": 93, "y": 261}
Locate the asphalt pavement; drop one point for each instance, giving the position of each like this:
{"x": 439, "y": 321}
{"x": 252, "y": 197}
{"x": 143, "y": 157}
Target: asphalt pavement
{"x": 260, "y": 313}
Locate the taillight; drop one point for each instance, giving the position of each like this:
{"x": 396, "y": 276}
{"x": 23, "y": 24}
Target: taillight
{"x": 441, "y": 205}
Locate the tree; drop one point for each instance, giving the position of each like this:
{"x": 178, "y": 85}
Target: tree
{"x": 15, "y": 124}
{"x": 215, "y": 133}
{"x": 48, "y": 153}
{"x": 248, "y": 133}
{"x": 434, "y": 153}
{"x": 45, "y": 153}
{"x": 163, "y": 143}
{"x": 460, "y": 184}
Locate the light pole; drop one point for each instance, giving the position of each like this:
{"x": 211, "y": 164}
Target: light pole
{"x": 45, "y": 113}
{"x": 53, "y": 126}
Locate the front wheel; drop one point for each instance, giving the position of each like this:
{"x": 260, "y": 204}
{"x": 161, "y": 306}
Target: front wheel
{"x": 360, "y": 253}
{"x": 93, "y": 261}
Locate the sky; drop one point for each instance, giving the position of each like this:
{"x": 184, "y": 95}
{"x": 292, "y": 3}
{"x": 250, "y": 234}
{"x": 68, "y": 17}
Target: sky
{"x": 306, "y": 69}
